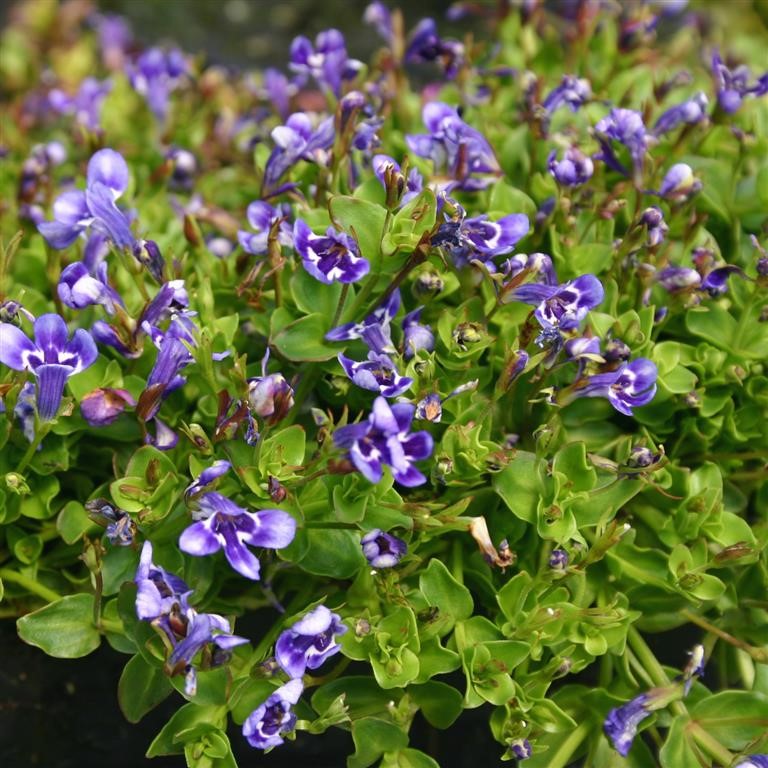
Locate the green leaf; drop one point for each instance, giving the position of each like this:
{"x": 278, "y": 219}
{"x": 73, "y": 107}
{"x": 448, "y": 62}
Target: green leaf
{"x": 363, "y": 220}
{"x": 409, "y": 758}
{"x": 141, "y": 688}
{"x": 184, "y": 719}
{"x": 302, "y": 340}
{"x": 73, "y": 522}
{"x": 440, "y": 704}
{"x": 362, "y": 696}
{"x": 372, "y": 738}
{"x": 677, "y": 751}
{"x": 63, "y": 629}
{"x": 312, "y": 296}
{"x": 329, "y": 552}
{"x": 734, "y": 718}
{"x": 443, "y": 591}
{"x": 518, "y": 484}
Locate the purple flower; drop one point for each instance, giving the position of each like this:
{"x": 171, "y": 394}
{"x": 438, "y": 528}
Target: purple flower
{"x": 415, "y": 335}
{"x": 561, "y": 307}
{"x": 333, "y": 257}
{"x": 115, "y": 37}
{"x": 327, "y": 61}
{"x": 679, "y": 183}
{"x": 621, "y": 723}
{"x": 79, "y": 287}
{"x": 629, "y": 386}
{"x": 265, "y": 726}
{"x": 51, "y": 357}
{"x": 753, "y": 761}
{"x": 221, "y": 523}
{"x": 25, "y": 410}
{"x": 120, "y": 528}
{"x": 573, "y": 170}
{"x": 384, "y": 439}
{"x": 558, "y": 560}
{"x": 262, "y": 217}
{"x": 377, "y": 374}
{"x": 572, "y": 92}
{"x": 309, "y": 642}
{"x": 454, "y": 146}
{"x": 716, "y": 281}
{"x": 155, "y": 75}
{"x": 76, "y": 211}
{"x": 383, "y": 550}
{"x": 374, "y": 330}
{"x": 378, "y": 16}
{"x": 626, "y": 127}
{"x": 85, "y": 105}
{"x": 294, "y": 141}
{"x": 270, "y": 396}
{"x": 521, "y": 749}
{"x": 690, "y": 112}
{"x": 424, "y": 45}
{"x": 102, "y": 406}
{"x": 160, "y": 593}
{"x": 477, "y": 238}
{"x": 678, "y": 279}
{"x": 206, "y": 477}
{"x": 733, "y": 84}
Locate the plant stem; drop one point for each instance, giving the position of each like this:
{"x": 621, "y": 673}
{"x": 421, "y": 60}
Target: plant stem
{"x": 710, "y": 744}
{"x": 30, "y": 584}
{"x": 758, "y": 654}
{"x": 340, "y": 306}
{"x": 40, "y": 433}
{"x": 565, "y": 751}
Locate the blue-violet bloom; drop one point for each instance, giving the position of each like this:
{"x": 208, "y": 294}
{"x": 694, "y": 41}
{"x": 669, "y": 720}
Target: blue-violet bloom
{"x": 333, "y": 257}
{"x": 374, "y": 330}
{"x": 382, "y": 550}
{"x": 51, "y": 357}
{"x": 223, "y": 524}
{"x": 377, "y": 374}
{"x": 621, "y": 723}
{"x": 309, "y": 642}
{"x": 265, "y": 726}
{"x": 573, "y": 170}
{"x": 733, "y": 84}
{"x": 629, "y": 386}
{"x": 262, "y": 217}
{"x": 384, "y": 438}
{"x": 415, "y": 335}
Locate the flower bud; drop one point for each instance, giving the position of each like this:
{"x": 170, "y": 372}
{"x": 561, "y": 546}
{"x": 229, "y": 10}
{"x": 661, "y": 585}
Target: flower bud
{"x": 428, "y": 285}
{"x": 466, "y": 334}
{"x": 102, "y": 406}
{"x": 270, "y": 397}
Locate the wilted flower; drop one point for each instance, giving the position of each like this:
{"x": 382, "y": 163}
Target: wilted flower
{"x": 383, "y": 550}
{"x": 424, "y": 45}
{"x": 102, "y": 406}
{"x": 572, "y": 92}
{"x": 309, "y": 642}
{"x": 120, "y": 528}
{"x": 223, "y": 524}
{"x": 50, "y": 357}
{"x": 265, "y": 726}
{"x": 269, "y": 395}
{"x": 689, "y": 112}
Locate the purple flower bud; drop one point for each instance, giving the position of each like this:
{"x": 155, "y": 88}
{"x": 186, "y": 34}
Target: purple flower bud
{"x": 120, "y": 528}
{"x": 383, "y": 550}
{"x": 265, "y": 726}
{"x": 641, "y": 457}
{"x": 102, "y": 406}
{"x": 679, "y": 183}
{"x": 616, "y": 351}
{"x": 753, "y": 761}
{"x": 624, "y": 126}
{"x": 572, "y": 92}
{"x": 309, "y": 642}
{"x": 270, "y": 396}
{"x": 415, "y": 335}
{"x": 690, "y": 112}
{"x": 653, "y": 219}
{"x": 573, "y": 170}
{"x": 148, "y": 254}
{"x": 209, "y": 475}
{"x": 678, "y": 279}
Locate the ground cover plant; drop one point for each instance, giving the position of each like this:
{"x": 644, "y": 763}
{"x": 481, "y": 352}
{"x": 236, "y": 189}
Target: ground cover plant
{"x": 445, "y": 370}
